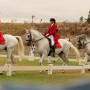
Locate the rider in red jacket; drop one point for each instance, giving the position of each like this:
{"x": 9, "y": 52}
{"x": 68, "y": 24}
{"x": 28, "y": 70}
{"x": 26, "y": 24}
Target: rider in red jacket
{"x": 52, "y": 35}
{"x": 2, "y": 40}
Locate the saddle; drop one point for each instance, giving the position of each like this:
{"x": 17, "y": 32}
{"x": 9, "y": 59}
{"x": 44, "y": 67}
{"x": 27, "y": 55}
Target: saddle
{"x": 57, "y": 45}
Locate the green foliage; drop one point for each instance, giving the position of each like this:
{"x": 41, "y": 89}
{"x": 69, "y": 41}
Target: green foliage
{"x": 88, "y": 20}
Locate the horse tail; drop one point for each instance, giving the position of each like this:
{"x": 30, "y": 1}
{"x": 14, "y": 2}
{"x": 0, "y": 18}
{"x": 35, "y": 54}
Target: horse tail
{"x": 20, "y": 47}
{"x": 75, "y": 50}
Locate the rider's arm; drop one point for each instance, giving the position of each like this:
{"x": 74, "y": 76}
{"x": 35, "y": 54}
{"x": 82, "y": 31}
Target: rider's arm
{"x": 54, "y": 30}
{"x": 47, "y": 32}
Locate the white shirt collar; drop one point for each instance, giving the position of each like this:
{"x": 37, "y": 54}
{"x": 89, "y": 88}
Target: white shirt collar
{"x": 52, "y": 24}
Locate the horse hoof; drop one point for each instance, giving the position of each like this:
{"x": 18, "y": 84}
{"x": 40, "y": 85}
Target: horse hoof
{"x": 41, "y": 64}
{"x": 13, "y": 72}
{"x": 63, "y": 71}
{"x": 49, "y": 63}
{"x": 1, "y": 73}
{"x": 6, "y": 65}
{"x": 41, "y": 71}
{"x": 54, "y": 61}
{"x": 46, "y": 70}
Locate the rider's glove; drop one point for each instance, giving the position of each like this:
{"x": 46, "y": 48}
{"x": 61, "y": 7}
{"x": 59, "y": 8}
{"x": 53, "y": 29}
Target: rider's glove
{"x": 47, "y": 35}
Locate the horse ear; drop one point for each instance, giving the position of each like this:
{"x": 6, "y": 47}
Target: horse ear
{"x": 84, "y": 36}
{"x": 77, "y": 37}
{"x": 27, "y": 31}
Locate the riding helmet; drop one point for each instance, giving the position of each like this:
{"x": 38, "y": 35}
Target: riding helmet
{"x": 52, "y": 19}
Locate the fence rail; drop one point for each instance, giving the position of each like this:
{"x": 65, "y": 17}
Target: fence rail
{"x": 16, "y": 56}
{"x": 50, "y": 68}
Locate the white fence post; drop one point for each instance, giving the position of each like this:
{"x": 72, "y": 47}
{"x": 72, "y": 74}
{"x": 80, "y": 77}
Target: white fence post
{"x": 20, "y": 59}
{"x": 50, "y": 69}
{"x": 9, "y": 70}
{"x": 83, "y": 69}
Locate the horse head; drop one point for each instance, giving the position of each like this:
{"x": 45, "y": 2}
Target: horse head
{"x": 33, "y": 36}
{"x": 81, "y": 41}
{"x": 28, "y": 37}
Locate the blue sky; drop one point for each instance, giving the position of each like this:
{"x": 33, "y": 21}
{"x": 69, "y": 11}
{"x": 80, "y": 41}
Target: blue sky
{"x": 62, "y": 10}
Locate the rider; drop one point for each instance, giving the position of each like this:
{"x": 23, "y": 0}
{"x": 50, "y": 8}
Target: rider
{"x": 52, "y": 35}
{"x": 2, "y": 40}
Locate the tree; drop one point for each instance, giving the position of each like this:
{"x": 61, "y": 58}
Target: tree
{"x": 81, "y": 19}
{"x": 33, "y": 18}
{"x": 88, "y": 19}
{"x": 40, "y": 20}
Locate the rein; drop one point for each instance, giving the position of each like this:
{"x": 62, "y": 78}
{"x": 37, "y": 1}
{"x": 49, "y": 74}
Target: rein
{"x": 39, "y": 39}
{"x": 87, "y": 43}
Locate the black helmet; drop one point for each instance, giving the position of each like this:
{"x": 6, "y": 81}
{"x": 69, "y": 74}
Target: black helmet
{"x": 52, "y": 19}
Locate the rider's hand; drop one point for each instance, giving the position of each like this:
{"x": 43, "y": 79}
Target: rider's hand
{"x": 47, "y": 35}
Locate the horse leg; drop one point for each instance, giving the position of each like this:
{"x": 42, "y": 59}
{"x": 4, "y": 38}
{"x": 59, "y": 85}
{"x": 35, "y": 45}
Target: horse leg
{"x": 9, "y": 52}
{"x": 12, "y": 58}
{"x": 42, "y": 60}
{"x": 49, "y": 61}
{"x": 64, "y": 58}
{"x": 57, "y": 60}
{"x": 13, "y": 62}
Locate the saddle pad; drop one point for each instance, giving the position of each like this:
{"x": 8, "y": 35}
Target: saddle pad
{"x": 58, "y": 45}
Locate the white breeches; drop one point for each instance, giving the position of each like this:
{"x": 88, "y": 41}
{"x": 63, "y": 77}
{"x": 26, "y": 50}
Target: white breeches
{"x": 52, "y": 40}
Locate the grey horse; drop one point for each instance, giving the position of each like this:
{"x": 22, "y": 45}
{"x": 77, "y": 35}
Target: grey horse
{"x": 83, "y": 42}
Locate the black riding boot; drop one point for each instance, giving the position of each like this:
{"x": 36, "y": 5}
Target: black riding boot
{"x": 50, "y": 51}
{"x": 53, "y": 49}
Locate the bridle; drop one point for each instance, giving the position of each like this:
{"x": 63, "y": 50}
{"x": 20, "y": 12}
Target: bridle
{"x": 30, "y": 39}
{"x": 87, "y": 43}
{"x": 84, "y": 44}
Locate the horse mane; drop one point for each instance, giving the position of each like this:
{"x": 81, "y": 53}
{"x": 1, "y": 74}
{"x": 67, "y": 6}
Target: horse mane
{"x": 37, "y": 32}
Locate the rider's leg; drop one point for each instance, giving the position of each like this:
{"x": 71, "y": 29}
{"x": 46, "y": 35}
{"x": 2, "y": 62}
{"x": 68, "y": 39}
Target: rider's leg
{"x": 50, "y": 47}
{"x": 53, "y": 49}
{"x": 53, "y": 45}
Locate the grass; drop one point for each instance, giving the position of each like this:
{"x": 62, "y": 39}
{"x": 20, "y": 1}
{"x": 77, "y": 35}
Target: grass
{"x": 36, "y": 77}
{"x": 57, "y": 78}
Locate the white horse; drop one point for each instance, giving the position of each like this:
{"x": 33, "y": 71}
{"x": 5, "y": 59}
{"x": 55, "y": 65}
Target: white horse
{"x": 10, "y": 43}
{"x": 43, "y": 46}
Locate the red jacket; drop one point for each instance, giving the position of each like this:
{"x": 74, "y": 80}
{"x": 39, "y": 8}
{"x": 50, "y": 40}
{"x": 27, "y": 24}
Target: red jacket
{"x": 2, "y": 40}
{"x": 52, "y": 31}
